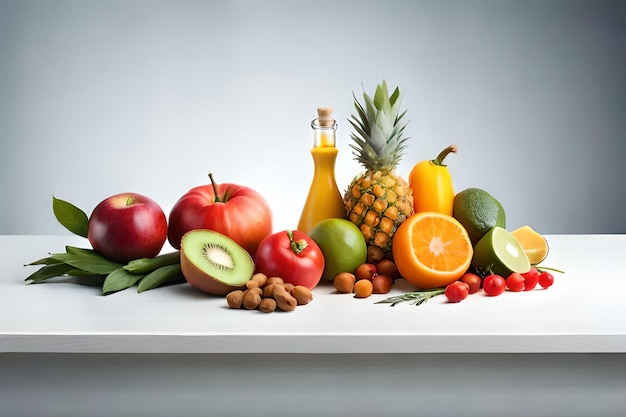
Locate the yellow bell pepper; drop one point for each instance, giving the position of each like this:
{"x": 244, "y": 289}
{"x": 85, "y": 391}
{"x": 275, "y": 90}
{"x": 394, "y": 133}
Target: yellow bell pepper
{"x": 431, "y": 184}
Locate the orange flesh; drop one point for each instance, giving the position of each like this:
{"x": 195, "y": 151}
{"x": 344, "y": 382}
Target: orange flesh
{"x": 439, "y": 245}
{"x": 431, "y": 250}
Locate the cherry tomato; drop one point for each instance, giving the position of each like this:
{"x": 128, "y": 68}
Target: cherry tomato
{"x": 515, "y": 282}
{"x": 494, "y": 284}
{"x": 546, "y": 279}
{"x": 473, "y": 280}
{"x": 292, "y": 256}
{"x": 530, "y": 279}
{"x": 457, "y": 291}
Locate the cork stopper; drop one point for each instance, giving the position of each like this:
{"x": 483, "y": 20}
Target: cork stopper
{"x": 324, "y": 128}
{"x": 325, "y": 115}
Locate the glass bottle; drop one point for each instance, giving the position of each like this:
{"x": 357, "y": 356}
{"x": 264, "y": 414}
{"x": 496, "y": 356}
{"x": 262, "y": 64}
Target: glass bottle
{"x": 324, "y": 199}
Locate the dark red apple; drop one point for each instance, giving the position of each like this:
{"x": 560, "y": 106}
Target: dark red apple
{"x": 127, "y": 226}
{"x": 236, "y": 211}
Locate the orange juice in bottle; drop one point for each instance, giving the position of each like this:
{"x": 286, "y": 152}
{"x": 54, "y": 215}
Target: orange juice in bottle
{"x": 324, "y": 200}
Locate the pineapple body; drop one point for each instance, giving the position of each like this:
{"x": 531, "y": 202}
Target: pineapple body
{"x": 378, "y": 202}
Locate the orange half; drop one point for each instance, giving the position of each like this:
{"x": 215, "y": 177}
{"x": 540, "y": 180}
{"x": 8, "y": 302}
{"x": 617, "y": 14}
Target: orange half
{"x": 431, "y": 250}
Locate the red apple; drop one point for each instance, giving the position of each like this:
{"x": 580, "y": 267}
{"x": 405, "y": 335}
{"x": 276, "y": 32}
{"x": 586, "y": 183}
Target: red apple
{"x": 127, "y": 226}
{"x": 236, "y": 211}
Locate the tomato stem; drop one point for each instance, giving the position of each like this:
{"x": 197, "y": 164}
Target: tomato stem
{"x": 442, "y": 155}
{"x": 297, "y": 246}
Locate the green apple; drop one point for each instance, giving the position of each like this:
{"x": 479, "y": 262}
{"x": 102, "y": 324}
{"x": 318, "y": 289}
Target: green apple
{"x": 342, "y": 244}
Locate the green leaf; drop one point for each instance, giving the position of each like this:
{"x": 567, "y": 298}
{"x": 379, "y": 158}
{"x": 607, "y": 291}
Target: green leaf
{"x": 49, "y": 260}
{"x": 146, "y": 265}
{"x": 381, "y": 97}
{"x": 87, "y": 260}
{"x": 48, "y": 271}
{"x": 118, "y": 280}
{"x": 81, "y": 251}
{"x": 80, "y": 273}
{"x": 169, "y": 274}
{"x": 394, "y": 96}
{"x": 71, "y": 217}
{"x": 88, "y": 280}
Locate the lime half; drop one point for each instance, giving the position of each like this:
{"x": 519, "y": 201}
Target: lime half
{"x": 500, "y": 253}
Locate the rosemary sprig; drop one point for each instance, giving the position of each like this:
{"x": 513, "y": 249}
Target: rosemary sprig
{"x": 416, "y": 298}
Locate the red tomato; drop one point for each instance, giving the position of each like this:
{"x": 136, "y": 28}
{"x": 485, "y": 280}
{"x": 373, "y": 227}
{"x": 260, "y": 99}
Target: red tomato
{"x": 292, "y": 256}
{"x": 546, "y": 279}
{"x": 234, "y": 210}
{"x": 494, "y": 285}
{"x": 530, "y": 279}
{"x": 457, "y": 291}
{"x": 515, "y": 282}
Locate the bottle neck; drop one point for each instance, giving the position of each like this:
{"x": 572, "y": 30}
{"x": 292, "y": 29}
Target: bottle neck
{"x": 324, "y": 132}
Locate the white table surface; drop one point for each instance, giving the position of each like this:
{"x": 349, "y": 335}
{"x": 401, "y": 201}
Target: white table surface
{"x": 584, "y": 311}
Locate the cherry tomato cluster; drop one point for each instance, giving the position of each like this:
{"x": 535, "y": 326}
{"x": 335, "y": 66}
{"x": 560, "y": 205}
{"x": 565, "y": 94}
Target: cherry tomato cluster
{"x": 494, "y": 284}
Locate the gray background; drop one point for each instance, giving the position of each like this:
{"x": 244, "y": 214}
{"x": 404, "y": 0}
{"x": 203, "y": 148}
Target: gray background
{"x": 101, "y": 97}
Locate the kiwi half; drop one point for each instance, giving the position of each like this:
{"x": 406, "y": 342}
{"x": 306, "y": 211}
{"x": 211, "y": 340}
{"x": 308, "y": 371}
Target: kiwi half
{"x": 214, "y": 263}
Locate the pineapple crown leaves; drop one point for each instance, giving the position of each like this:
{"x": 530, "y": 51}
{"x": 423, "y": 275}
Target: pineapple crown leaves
{"x": 378, "y": 128}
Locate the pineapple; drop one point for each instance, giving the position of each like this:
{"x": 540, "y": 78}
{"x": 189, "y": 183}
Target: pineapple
{"x": 378, "y": 200}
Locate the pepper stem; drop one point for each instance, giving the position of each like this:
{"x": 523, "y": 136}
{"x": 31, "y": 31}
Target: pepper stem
{"x": 442, "y": 155}
{"x": 297, "y": 246}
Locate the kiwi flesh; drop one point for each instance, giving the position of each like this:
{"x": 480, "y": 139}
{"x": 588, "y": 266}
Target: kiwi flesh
{"x": 214, "y": 263}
